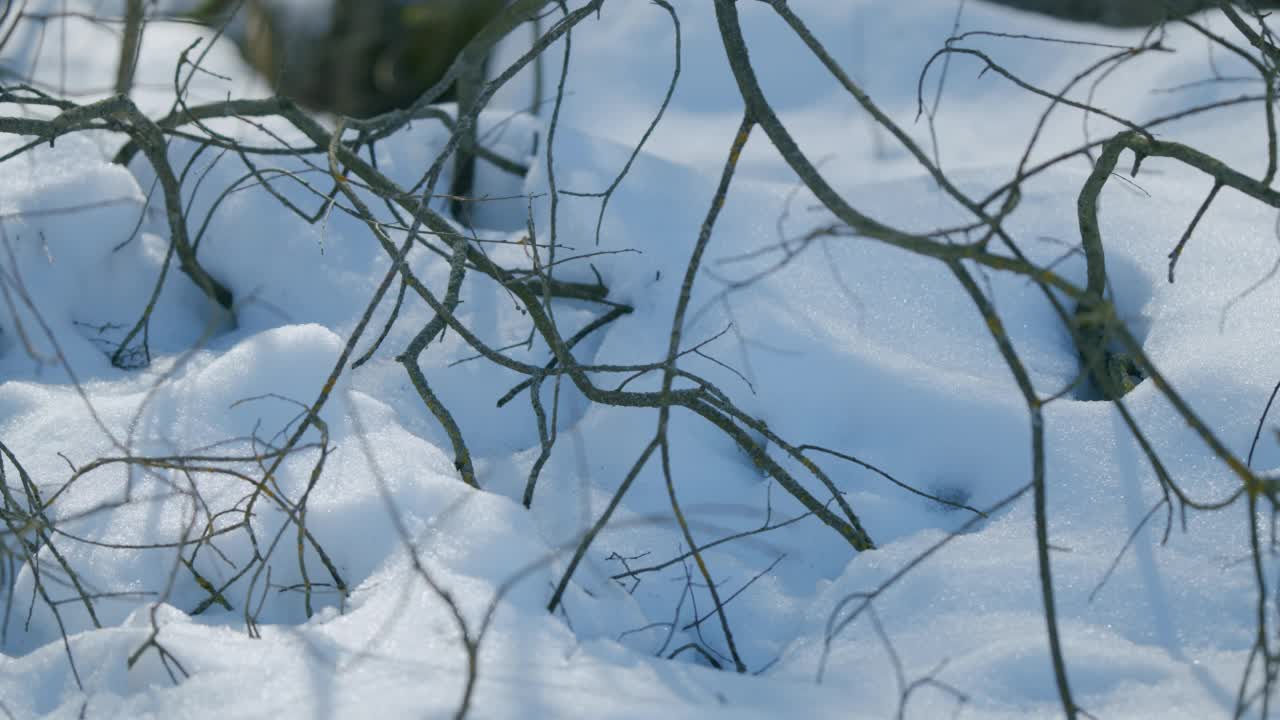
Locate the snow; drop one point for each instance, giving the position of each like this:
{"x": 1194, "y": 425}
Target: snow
{"x": 851, "y": 345}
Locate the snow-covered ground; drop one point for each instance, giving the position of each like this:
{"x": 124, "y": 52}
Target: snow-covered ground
{"x": 852, "y": 345}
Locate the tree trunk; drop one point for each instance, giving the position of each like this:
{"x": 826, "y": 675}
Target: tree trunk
{"x": 1122, "y": 13}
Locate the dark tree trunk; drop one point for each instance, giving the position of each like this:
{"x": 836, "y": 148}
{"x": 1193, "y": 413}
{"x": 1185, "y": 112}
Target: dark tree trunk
{"x": 1123, "y": 13}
